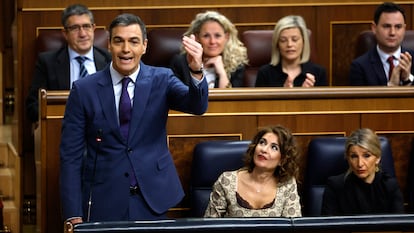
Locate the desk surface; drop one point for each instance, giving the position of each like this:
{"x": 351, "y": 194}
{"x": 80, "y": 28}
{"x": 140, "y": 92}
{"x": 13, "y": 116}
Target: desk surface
{"x": 376, "y": 223}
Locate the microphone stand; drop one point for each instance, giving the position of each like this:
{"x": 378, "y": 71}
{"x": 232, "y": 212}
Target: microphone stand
{"x": 98, "y": 141}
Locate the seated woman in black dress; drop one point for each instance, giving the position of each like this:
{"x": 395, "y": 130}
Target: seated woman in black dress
{"x": 364, "y": 188}
{"x": 290, "y": 65}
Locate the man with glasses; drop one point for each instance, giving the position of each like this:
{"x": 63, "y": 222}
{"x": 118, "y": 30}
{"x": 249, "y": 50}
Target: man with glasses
{"x": 57, "y": 70}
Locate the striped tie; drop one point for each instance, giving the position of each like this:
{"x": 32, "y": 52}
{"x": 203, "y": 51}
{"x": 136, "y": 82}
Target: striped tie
{"x": 82, "y": 69}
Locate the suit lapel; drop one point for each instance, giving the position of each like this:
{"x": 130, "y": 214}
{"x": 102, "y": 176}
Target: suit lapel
{"x": 99, "y": 58}
{"x": 141, "y": 95}
{"x": 378, "y": 67}
{"x": 107, "y": 100}
{"x": 62, "y": 69}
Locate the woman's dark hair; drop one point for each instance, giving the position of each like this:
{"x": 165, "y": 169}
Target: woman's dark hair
{"x": 288, "y": 167}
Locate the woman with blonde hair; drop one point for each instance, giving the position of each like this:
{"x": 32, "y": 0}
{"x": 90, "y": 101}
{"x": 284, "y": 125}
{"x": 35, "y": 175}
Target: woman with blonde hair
{"x": 290, "y": 65}
{"x": 224, "y": 55}
{"x": 364, "y": 188}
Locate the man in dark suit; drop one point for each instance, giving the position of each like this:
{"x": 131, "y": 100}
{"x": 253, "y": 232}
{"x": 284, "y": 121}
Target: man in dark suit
{"x": 127, "y": 172}
{"x": 56, "y": 70}
{"x": 387, "y": 64}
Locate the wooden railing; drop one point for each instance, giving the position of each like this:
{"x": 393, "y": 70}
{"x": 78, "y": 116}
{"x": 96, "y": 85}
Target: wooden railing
{"x": 237, "y": 114}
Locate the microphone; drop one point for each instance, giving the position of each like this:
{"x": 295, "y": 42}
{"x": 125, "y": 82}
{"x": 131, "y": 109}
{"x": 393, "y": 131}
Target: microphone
{"x": 98, "y": 142}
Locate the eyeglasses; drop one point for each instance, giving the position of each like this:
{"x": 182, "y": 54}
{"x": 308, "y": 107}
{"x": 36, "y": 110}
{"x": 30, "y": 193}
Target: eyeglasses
{"x": 76, "y": 28}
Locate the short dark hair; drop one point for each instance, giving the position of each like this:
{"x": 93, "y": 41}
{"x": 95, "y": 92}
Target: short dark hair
{"x": 76, "y": 9}
{"x": 126, "y": 20}
{"x": 388, "y": 7}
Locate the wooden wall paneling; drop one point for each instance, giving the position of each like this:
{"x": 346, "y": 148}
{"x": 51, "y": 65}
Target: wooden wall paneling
{"x": 398, "y": 120}
{"x": 221, "y": 123}
{"x": 331, "y": 44}
{"x": 402, "y": 144}
{"x": 311, "y": 123}
{"x": 344, "y": 35}
{"x": 184, "y": 3}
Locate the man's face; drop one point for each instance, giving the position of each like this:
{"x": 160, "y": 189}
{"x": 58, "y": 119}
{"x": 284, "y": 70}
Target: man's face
{"x": 127, "y": 45}
{"x": 389, "y": 31}
{"x": 79, "y": 33}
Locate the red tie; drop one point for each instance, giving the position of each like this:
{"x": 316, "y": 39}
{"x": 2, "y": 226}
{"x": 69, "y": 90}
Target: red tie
{"x": 390, "y": 60}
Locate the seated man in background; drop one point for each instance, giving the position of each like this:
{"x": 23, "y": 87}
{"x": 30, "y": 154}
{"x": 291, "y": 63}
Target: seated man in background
{"x": 56, "y": 70}
{"x": 388, "y": 64}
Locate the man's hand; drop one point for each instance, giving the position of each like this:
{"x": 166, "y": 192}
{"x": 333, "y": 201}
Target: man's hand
{"x": 405, "y": 62}
{"x": 394, "y": 80}
{"x": 194, "y": 53}
{"x": 68, "y": 224}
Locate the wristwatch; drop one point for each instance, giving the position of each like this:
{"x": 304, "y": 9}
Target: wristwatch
{"x": 200, "y": 71}
{"x": 405, "y": 82}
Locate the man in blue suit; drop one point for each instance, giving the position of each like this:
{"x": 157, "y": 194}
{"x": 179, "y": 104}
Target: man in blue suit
{"x": 104, "y": 174}
{"x": 387, "y": 64}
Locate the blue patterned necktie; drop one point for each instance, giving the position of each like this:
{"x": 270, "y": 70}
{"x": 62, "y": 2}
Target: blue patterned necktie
{"x": 125, "y": 108}
{"x": 82, "y": 69}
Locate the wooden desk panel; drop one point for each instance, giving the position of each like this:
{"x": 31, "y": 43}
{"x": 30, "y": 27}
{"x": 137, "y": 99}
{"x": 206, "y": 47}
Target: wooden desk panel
{"x": 236, "y": 114}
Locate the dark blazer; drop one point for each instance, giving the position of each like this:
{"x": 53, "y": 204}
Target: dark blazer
{"x": 179, "y": 65}
{"x": 367, "y": 69}
{"x": 273, "y": 76}
{"x": 90, "y": 111}
{"x": 349, "y": 195}
{"x": 52, "y": 72}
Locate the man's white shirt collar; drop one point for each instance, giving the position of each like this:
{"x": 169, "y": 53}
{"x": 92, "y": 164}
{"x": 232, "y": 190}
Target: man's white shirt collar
{"x": 117, "y": 77}
{"x": 73, "y": 54}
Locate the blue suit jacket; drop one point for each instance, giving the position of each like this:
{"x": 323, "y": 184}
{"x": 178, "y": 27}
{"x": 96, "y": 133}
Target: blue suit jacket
{"x": 91, "y": 113}
{"x": 367, "y": 70}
